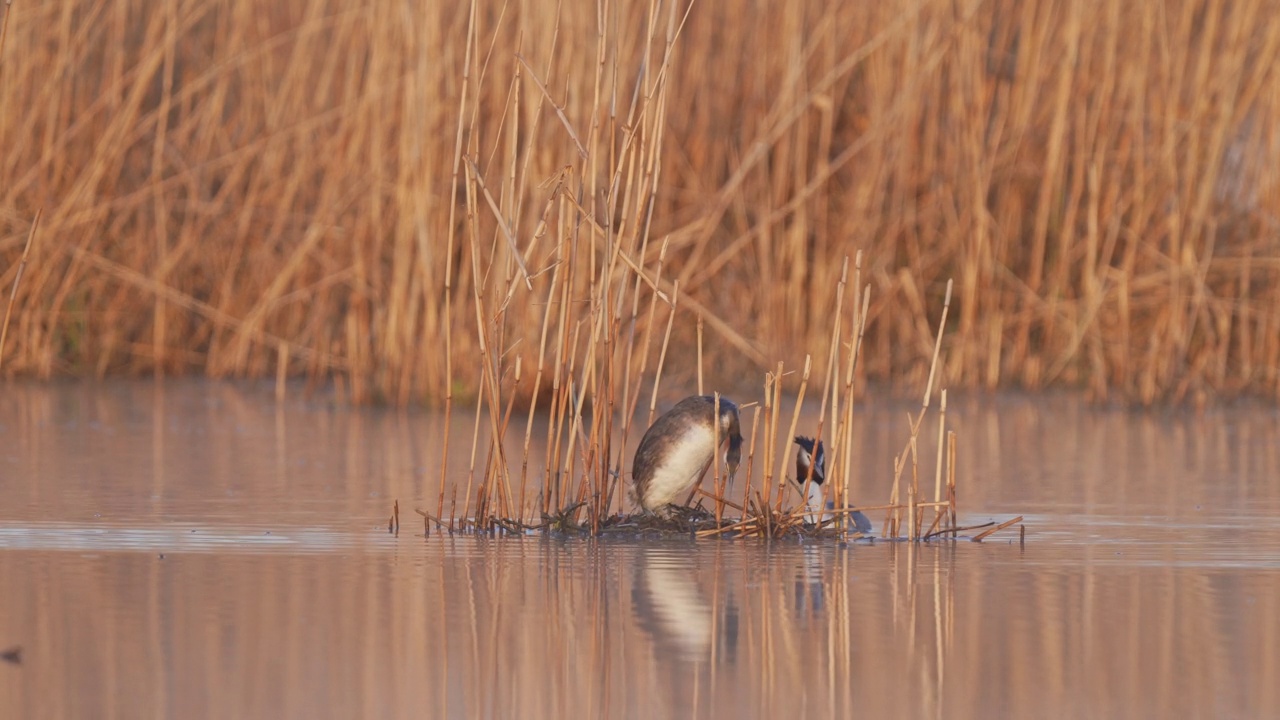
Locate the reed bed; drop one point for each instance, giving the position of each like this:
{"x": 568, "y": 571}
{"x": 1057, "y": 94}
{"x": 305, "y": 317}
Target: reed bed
{"x": 413, "y": 201}
{"x": 583, "y": 491}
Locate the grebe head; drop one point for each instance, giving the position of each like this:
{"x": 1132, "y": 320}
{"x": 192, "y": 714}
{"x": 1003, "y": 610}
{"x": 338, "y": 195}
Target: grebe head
{"x": 811, "y": 459}
{"x": 678, "y": 448}
{"x": 812, "y": 455}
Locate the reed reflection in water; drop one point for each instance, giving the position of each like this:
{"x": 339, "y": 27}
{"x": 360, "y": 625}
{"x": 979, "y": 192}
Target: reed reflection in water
{"x": 1149, "y": 585}
{"x": 548, "y": 628}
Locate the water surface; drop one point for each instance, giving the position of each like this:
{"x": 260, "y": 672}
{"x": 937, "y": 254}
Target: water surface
{"x": 191, "y": 550}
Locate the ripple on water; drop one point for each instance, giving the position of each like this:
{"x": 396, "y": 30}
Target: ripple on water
{"x": 187, "y": 538}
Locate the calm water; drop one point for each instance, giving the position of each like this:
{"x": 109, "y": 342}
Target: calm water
{"x": 193, "y": 550}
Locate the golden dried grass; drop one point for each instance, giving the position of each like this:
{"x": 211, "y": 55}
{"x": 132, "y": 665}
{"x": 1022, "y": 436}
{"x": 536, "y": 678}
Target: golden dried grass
{"x": 410, "y": 198}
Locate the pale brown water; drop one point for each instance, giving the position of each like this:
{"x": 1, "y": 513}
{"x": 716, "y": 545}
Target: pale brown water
{"x": 1149, "y": 585}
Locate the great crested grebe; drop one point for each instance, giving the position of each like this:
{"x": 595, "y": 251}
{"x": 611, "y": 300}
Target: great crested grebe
{"x": 804, "y": 458}
{"x": 678, "y": 448}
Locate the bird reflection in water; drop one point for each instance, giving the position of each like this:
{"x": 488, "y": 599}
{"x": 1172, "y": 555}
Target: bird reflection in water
{"x": 809, "y": 590}
{"x": 681, "y": 606}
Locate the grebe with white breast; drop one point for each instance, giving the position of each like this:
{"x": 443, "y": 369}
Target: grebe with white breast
{"x": 804, "y": 458}
{"x": 677, "y": 449}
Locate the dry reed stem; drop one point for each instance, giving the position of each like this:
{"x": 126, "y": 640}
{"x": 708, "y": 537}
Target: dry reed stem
{"x": 720, "y": 499}
{"x": 662, "y": 356}
{"x": 892, "y": 521}
{"x": 471, "y": 465}
{"x": 913, "y": 491}
{"x": 770, "y": 425}
{"x": 860, "y": 325}
{"x": 751, "y": 456}
{"x": 791, "y": 431}
{"x": 507, "y": 234}
{"x": 644, "y": 346}
{"x": 986, "y": 533}
{"x": 715, "y": 455}
{"x": 951, "y": 475}
{"x": 833, "y": 362}
{"x": 449, "y": 240}
{"x": 938, "y": 470}
{"x": 700, "y": 390}
{"x": 26, "y": 249}
{"x": 4, "y": 28}
{"x": 282, "y": 370}
{"x": 952, "y": 531}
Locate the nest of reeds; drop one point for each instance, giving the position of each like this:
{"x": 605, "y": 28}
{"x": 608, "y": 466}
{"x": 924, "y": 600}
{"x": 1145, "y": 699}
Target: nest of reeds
{"x": 698, "y": 521}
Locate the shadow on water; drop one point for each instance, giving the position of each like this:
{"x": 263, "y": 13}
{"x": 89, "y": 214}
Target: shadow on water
{"x": 200, "y": 551}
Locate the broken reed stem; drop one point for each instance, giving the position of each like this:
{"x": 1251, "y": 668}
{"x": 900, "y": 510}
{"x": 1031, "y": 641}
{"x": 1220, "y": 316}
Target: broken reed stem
{"x": 453, "y": 508}
{"x": 940, "y": 513}
{"x": 700, "y": 390}
{"x": 913, "y": 491}
{"x": 983, "y": 535}
{"x": 770, "y": 425}
{"x": 891, "y": 519}
{"x": 26, "y": 249}
{"x": 951, "y": 475}
{"x": 720, "y": 500}
{"x": 953, "y": 531}
{"x": 426, "y": 516}
{"x": 440, "y": 501}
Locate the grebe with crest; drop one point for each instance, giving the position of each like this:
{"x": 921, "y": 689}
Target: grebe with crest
{"x": 677, "y": 449}
{"x": 805, "y": 457}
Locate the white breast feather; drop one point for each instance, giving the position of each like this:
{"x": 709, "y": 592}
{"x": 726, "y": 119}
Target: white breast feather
{"x": 814, "y": 504}
{"x": 678, "y": 472}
